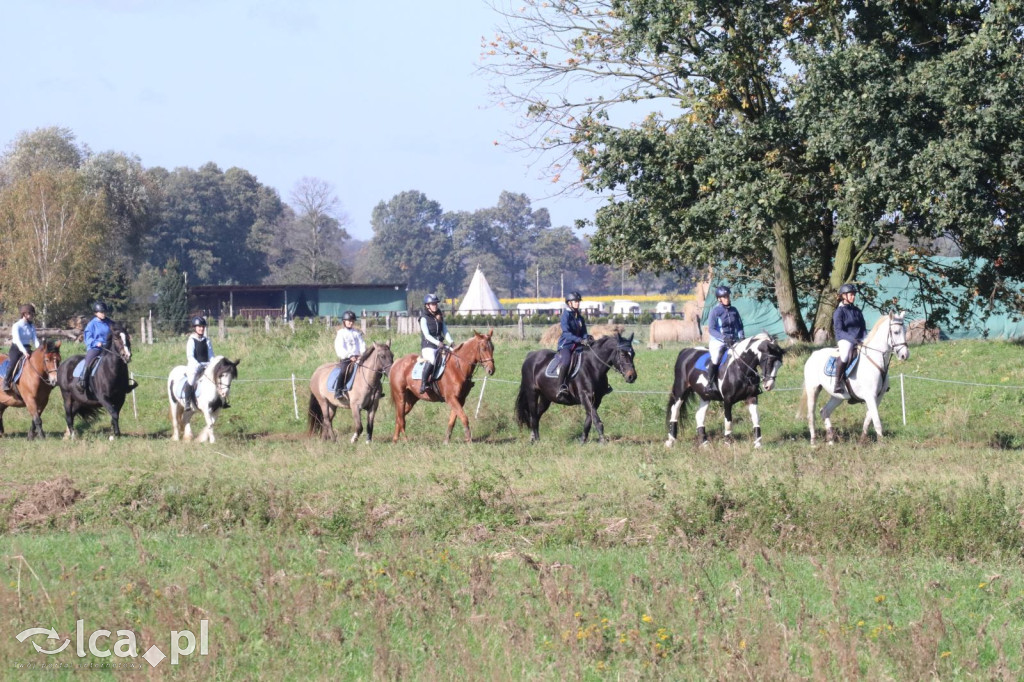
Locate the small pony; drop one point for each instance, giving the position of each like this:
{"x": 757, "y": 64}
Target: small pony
{"x": 370, "y": 369}
{"x": 212, "y": 390}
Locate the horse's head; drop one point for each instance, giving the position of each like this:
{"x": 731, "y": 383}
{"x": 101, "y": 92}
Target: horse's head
{"x": 51, "y": 359}
{"x": 898, "y": 334}
{"x": 222, "y": 372}
{"x": 623, "y": 360}
{"x": 383, "y": 358}
{"x": 121, "y": 341}
{"x": 768, "y": 354}
{"x": 484, "y": 350}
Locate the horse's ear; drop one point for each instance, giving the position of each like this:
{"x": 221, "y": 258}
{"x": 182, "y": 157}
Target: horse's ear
{"x": 631, "y": 338}
{"x": 235, "y": 363}
{"x": 490, "y": 332}
{"x": 388, "y": 344}
{"x": 56, "y": 344}
{"x": 476, "y": 333}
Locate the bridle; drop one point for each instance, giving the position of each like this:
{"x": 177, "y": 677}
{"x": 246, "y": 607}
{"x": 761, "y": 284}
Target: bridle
{"x": 45, "y": 375}
{"x": 760, "y": 369}
{"x": 886, "y": 354}
{"x": 621, "y": 349}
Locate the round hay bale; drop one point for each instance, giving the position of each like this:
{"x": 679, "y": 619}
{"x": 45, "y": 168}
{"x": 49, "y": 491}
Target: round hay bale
{"x": 919, "y": 332}
{"x": 667, "y": 331}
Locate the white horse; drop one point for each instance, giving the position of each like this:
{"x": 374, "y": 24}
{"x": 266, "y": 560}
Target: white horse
{"x": 869, "y": 379}
{"x": 212, "y": 390}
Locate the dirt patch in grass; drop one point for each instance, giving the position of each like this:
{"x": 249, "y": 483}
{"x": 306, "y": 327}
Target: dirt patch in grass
{"x": 37, "y": 503}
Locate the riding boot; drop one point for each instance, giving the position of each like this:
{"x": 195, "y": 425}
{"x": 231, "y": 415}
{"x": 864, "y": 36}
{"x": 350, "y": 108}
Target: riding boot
{"x": 7, "y": 380}
{"x": 427, "y": 382}
{"x": 840, "y": 376}
{"x": 712, "y": 376}
{"x": 190, "y": 397}
{"x": 563, "y": 382}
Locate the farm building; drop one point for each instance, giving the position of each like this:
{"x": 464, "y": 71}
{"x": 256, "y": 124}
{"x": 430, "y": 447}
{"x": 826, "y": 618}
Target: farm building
{"x": 298, "y": 300}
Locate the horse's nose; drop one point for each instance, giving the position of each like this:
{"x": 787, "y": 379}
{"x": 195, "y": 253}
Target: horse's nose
{"x": 769, "y": 384}
{"x": 631, "y": 377}
{"x": 490, "y": 370}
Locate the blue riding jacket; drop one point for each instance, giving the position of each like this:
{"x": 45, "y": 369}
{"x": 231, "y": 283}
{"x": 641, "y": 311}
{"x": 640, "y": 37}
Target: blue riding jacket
{"x": 724, "y": 324}
{"x": 574, "y": 328}
{"x": 849, "y": 325}
{"x": 97, "y": 333}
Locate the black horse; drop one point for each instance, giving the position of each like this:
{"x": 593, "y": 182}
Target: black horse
{"x": 108, "y": 387}
{"x": 739, "y": 379}
{"x": 587, "y": 386}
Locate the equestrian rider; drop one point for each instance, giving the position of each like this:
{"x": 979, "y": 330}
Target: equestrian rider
{"x": 23, "y": 335}
{"x": 850, "y": 329}
{"x": 433, "y": 335}
{"x": 573, "y": 339}
{"x": 724, "y": 329}
{"x": 198, "y": 353}
{"x": 97, "y": 335}
{"x": 349, "y": 344}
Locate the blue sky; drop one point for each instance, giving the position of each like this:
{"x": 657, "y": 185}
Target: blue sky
{"x": 373, "y": 97}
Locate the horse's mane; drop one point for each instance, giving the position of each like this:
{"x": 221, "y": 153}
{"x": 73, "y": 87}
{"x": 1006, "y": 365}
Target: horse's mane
{"x": 877, "y": 325}
{"x": 214, "y": 369}
{"x": 366, "y": 353}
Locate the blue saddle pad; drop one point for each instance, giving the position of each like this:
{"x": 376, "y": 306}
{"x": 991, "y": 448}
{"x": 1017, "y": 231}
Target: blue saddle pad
{"x": 417, "y": 369}
{"x": 551, "y": 371}
{"x": 178, "y": 386}
{"x": 830, "y": 366}
{"x": 17, "y": 370}
{"x": 705, "y": 359}
{"x": 80, "y": 367}
{"x": 332, "y": 380}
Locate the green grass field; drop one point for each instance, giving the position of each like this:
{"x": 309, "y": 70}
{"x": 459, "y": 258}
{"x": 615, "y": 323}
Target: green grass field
{"x": 501, "y": 560}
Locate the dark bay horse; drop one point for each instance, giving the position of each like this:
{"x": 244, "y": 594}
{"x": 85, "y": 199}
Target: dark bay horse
{"x": 749, "y": 361}
{"x": 371, "y": 368}
{"x": 32, "y": 389}
{"x": 588, "y": 387}
{"x": 108, "y": 387}
{"x": 453, "y": 387}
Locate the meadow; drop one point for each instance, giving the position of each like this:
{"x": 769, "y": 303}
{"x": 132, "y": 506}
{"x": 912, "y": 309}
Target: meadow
{"x": 899, "y": 559}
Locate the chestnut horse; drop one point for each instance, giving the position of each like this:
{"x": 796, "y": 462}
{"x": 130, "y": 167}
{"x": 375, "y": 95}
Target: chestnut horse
{"x": 32, "y": 389}
{"x": 452, "y": 387}
{"x": 371, "y": 368}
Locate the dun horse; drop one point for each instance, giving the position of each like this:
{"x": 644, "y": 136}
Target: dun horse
{"x": 452, "y": 387}
{"x": 371, "y": 368}
{"x": 108, "y": 387}
{"x": 32, "y": 389}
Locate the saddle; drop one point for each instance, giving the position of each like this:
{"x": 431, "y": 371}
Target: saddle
{"x": 334, "y": 377}
{"x": 17, "y": 370}
{"x": 417, "y": 369}
{"x": 551, "y": 371}
{"x": 830, "y": 365}
{"x": 80, "y": 368}
{"x": 705, "y": 359}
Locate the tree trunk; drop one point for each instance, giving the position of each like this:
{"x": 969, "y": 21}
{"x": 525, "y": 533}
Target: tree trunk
{"x": 785, "y": 288}
{"x": 844, "y": 268}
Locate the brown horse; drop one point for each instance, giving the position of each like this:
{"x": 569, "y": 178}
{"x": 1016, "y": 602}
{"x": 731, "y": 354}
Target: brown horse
{"x": 453, "y": 387}
{"x": 371, "y": 367}
{"x": 32, "y": 389}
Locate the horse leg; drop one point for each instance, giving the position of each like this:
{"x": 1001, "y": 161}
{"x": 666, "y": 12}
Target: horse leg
{"x": 872, "y": 417}
{"x": 404, "y": 401}
{"x": 206, "y": 435}
{"x": 371, "y": 414}
{"x": 674, "y": 406}
{"x": 328, "y": 410}
{"x": 591, "y": 419}
{"x": 755, "y": 420}
{"x": 2, "y": 409}
{"x": 457, "y": 413}
{"x": 357, "y": 421}
{"x": 826, "y": 415}
{"x": 727, "y": 436}
{"x": 540, "y": 406}
{"x": 700, "y": 413}
{"x": 69, "y": 416}
{"x": 811, "y": 393}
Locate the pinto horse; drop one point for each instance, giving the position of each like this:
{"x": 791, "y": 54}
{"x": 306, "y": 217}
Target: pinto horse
{"x": 587, "y": 386}
{"x": 32, "y": 389}
{"x": 750, "y": 363}
{"x": 868, "y": 379}
{"x": 108, "y": 386}
{"x": 452, "y": 387}
{"x": 371, "y": 368}
{"x": 213, "y": 387}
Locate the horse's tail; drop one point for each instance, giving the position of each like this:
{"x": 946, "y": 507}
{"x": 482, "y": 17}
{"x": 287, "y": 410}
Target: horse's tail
{"x": 523, "y": 399}
{"x": 89, "y": 413}
{"x": 314, "y": 417}
{"x": 685, "y": 400}
{"x": 801, "y": 408}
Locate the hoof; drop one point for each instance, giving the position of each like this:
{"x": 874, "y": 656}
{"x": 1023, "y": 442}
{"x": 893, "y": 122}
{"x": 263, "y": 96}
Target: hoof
{"x": 112, "y": 437}
{"x": 670, "y": 442}
{"x": 757, "y": 444}
{"x": 354, "y": 438}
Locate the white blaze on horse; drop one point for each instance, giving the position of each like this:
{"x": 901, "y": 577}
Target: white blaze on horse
{"x": 868, "y": 376}
{"x": 212, "y": 390}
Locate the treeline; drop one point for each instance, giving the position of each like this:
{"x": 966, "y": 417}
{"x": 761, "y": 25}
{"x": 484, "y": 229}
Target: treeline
{"x": 78, "y": 226}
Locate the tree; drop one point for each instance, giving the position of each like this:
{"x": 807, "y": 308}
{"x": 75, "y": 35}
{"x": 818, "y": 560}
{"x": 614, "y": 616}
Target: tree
{"x": 790, "y": 133}
{"x": 43, "y": 149}
{"x": 315, "y": 235}
{"x": 51, "y": 228}
{"x": 172, "y": 298}
{"x": 557, "y": 252}
{"x": 129, "y": 200}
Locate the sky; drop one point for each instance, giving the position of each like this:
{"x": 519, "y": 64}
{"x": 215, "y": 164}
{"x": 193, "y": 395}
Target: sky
{"x": 375, "y": 98}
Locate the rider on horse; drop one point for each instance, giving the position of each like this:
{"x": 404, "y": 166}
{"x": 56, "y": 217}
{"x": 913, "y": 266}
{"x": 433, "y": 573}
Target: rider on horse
{"x": 97, "y": 335}
{"x": 349, "y": 344}
{"x": 724, "y": 329}
{"x": 850, "y": 330}
{"x": 433, "y": 336}
{"x": 198, "y": 353}
{"x": 23, "y": 335}
{"x": 574, "y": 337}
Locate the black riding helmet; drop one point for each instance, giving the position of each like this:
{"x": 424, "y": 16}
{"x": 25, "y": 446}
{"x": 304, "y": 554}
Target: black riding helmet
{"x": 723, "y": 291}
{"x": 199, "y": 321}
{"x": 848, "y": 289}
{"x": 348, "y": 315}
{"x": 99, "y": 307}
{"x": 573, "y": 296}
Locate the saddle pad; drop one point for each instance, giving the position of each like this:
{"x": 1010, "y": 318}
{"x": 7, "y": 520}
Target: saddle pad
{"x": 17, "y": 370}
{"x": 830, "y": 366}
{"x": 417, "y": 369}
{"x": 551, "y": 371}
{"x": 178, "y": 387}
{"x": 705, "y": 359}
{"x": 332, "y": 380}
{"x": 80, "y": 367}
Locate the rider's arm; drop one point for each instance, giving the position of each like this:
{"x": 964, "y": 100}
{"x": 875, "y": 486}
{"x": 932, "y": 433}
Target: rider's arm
{"x": 360, "y": 344}
{"x": 447, "y": 336}
{"x": 713, "y": 323}
{"x": 426, "y": 332}
{"x": 740, "y": 334}
{"x": 567, "y": 332}
{"x": 16, "y": 337}
{"x": 190, "y": 349}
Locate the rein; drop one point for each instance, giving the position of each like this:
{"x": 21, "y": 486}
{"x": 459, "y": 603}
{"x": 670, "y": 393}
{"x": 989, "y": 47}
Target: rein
{"x": 42, "y": 376}
{"x": 609, "y": 365}
{"x": 886, "y": 355}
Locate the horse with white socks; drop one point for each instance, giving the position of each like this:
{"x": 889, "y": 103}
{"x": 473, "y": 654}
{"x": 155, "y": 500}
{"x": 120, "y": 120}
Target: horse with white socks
{"x": 212, "y": 390}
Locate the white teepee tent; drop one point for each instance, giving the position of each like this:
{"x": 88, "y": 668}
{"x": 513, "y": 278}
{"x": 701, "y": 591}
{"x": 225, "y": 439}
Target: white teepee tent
{"x": 479, "y": 297}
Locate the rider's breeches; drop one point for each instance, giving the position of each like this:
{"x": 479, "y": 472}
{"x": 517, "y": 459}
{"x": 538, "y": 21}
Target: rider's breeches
{"x": 429, "y": 354}
{"x": 192, "y": 372}
{"x": 717, "y": 349}
{"x": 91, "y": 355}
{"x": 845, "y": 350}
{"x": 13, "y": 355}
{"x": 564, "y": 356}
